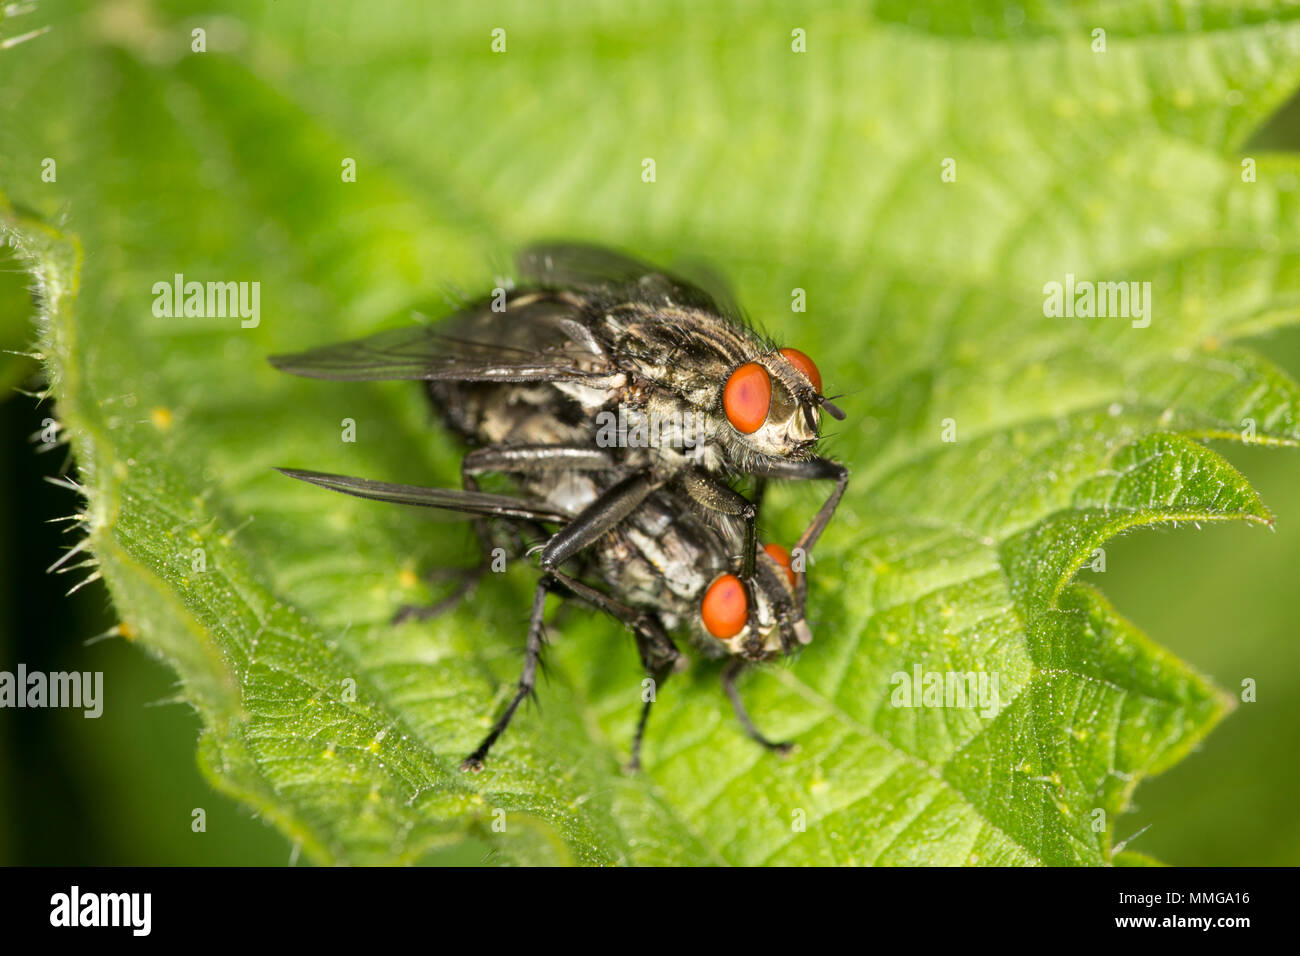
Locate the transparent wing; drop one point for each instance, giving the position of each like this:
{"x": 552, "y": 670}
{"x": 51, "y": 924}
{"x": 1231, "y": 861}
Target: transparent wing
{"x": 558, "y": 265}
{"x": 536, "y": 339}
{"x": 445, "y": 499}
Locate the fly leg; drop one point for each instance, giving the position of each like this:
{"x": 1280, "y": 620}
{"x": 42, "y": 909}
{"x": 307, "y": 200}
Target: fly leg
{"x": 525, "y": 460}
{"x": 599, "y": 517}
{"x": 714, "y": 497}
{"x": 653, "y": 647}
{"x": 760, "y": 489}
{"x": 527, "y": 680}
{"x": 814, "y": 469}
{"x": 521, "y": 459}
{"x": 729, "y": 674}
{"x": 468, "y": 578}
{"x": 592, "y": 522}
{"x": 659, "y": 655}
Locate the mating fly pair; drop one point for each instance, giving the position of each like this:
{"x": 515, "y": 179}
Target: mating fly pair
{"x": 526, "y": 376}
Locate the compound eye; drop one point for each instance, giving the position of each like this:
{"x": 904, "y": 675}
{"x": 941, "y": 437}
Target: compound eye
{"x": 782, "y": 557}
{"x": 747, "y": 398}
{"x": 806, "y": 365}
{"x": 725, "y": 608}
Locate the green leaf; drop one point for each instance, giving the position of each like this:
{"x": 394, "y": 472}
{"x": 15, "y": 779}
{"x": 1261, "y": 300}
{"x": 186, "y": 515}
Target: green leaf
{"x": 819, "y": 171}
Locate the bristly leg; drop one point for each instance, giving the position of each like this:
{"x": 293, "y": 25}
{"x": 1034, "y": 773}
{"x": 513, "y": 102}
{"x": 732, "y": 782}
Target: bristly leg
{"x": 760, "y": 491}
{"x": 473, "y": 464}
{"x": 714, "y": 497}
{"x": 468, "y": 579}
{"x": 813, "y": 469}
{"x": 657, "y": 677}
{"x": 659, "y": 655}
{"x": 729, "y": 674}
{"x": 527, "y": 679}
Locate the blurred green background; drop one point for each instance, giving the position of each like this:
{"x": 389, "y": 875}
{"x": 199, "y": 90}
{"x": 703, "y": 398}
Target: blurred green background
{"x": 77, "y": 791}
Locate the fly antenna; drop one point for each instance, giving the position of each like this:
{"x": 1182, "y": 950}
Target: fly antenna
{"x": 831, "y": 409}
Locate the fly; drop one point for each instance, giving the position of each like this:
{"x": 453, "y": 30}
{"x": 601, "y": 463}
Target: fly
{"x": 528, "y": 375}
{"x": 663, "y": 571}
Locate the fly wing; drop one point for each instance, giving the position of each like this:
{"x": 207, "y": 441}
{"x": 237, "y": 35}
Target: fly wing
{"x": 577, "y": 264}
{"x": 538, "y": 338}
{"x": 445, "y": 499}
{"x": 557, "y": 265}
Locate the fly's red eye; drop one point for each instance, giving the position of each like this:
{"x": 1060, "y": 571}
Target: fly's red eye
{"x": 782, "y": 557}
{"x": 725, "y": 607}
{"x": 806, "y": 365}
{"x": 747, "y": 397}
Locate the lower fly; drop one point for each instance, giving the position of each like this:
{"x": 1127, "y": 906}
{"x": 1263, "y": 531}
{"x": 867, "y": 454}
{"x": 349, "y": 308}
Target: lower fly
{"x": 662, "y": 569}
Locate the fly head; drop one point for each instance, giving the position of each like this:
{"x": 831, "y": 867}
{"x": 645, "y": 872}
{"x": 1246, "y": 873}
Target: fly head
{"x": 762, "y": 621}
